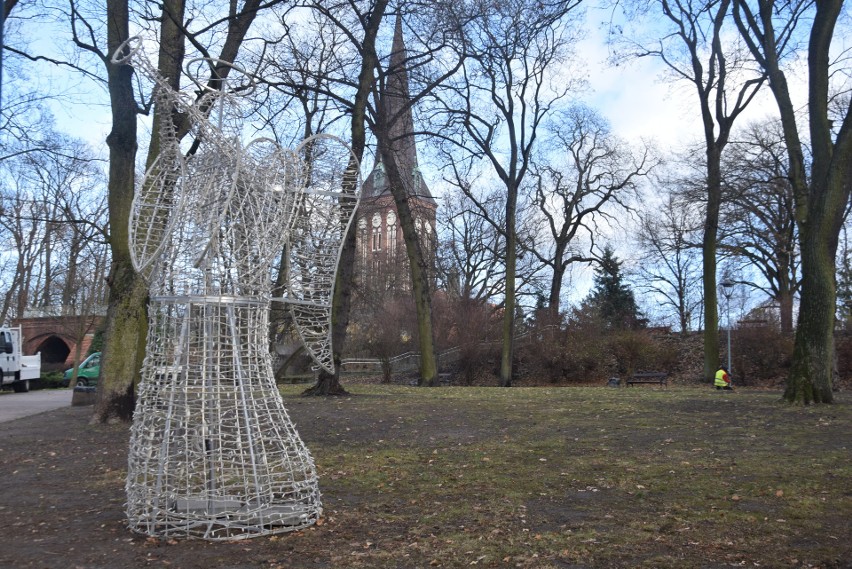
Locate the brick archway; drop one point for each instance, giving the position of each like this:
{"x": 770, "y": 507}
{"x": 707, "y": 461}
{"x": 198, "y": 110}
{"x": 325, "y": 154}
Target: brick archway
{"x": 53, "y": 335}
{"x": 54, "y": 349}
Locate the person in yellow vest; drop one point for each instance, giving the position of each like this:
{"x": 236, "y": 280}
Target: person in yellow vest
{"x": 723, "y": 380}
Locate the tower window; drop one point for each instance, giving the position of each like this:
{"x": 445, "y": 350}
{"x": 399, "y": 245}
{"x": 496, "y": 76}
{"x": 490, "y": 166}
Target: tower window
{"x": 391, "y": 234}
{"x": 377, "y": 232}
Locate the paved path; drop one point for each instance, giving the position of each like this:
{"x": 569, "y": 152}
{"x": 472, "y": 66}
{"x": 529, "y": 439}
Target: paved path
{"x": 17, "y": 405}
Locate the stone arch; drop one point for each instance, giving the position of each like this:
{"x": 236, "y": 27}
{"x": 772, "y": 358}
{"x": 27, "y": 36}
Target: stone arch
{"x": 54, "y": 350}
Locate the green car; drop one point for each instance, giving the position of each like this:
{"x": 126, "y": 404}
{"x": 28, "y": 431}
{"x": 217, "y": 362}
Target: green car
{"x": 87, "y": 373}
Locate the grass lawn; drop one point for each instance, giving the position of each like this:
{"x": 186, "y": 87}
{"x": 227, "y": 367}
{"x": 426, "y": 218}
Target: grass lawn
{"x": 579, "y": 477}
{"x": 480, "y": 477}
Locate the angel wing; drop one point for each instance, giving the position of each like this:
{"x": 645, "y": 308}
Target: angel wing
{"x": 156, "y": 205}
{"x": 331, "y": 194}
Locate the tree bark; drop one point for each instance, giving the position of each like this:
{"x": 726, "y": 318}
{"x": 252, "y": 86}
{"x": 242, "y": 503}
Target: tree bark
{"x": 508, "y": 327}
{"x": 813, "y": 353}
{"x": 169, "y": 64}
{"x": 556, "y": 278}
{"x": 417, "y": 263}
{"x": 811, "y": 376}
{"x": 329, "y": 383}
{"x": 708, "y": 250}
{"x": 785, "y": 303}
{"x": 126, "y": 316}
{"x": 710, "y": 67}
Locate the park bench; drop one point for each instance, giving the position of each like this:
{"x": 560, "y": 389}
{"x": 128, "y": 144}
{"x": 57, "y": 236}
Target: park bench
{"x": 658, "y": 377}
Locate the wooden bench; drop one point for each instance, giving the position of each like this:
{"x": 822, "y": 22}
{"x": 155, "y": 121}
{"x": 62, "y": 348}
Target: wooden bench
{"x": 658, "y": 377}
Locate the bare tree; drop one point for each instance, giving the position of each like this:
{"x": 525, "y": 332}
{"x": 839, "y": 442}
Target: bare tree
{"x": 669, "y": 237}
{"x": 43, "y": 172}
{"x": 590, "y": 176}
{"x": 689, "y": 38}
{"x": 844, "y": 279}
{"x": 50, "y": 210}
{"x": 388, "y": 113}
{"x": 297, "y": 100}
{"x": 222, "y": 28}
{"x": 69, "y": 183}
{"x": 22, "y": 241}
{"x": 772, "y": 32}
{"x": 370, "y": 22}
{"x": 26, "y": 123}
{"x": 469, "y": 259}
{"x": 393, "y": 127}
{"x": 495, "y": 106}
{"x": 758, "y": 219}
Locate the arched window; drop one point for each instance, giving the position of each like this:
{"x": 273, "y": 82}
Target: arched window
{"x": 362, "y": 238}
{"x": 391, "y": 235}
{"x": 429, "y": 245}
{"x": 377, "y": 232}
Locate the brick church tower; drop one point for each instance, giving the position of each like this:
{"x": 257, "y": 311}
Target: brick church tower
{"x": 382, "y": 259}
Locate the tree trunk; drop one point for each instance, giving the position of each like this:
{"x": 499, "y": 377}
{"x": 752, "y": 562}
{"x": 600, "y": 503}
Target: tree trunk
{"x": 819, "y": 213}
{"x": 711, "y": 229}
{"x": 71, "y": 284}
{"x": 126, "y": 317}
{"x": 814, "y": 358}
{"x": 556, "y": 279}
{"x": 169, "y": 64}
{"x": 682, "y": 311}
{"x": 418, "y": 266}
{"x": 508, "y": 328}
{"x": 124, "y": 346}
{"x": 329, "y": 384}
{"x": 420, "y": 273}
{"x": 785, "y": 303}
{"x": 47, "y": 255}
{"x": 813, "y": 354}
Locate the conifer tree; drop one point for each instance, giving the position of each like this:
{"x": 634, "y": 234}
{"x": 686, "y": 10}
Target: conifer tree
{"x": 611, "y": 297}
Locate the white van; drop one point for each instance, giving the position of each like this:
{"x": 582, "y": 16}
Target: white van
{"x": 16, "y": 369}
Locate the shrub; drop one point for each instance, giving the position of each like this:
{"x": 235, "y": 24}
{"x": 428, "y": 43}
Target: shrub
{"x": 760, "y": 354}
{"x": 48, "y": 380}
{"x": 843, "y": 348}
{"x": 586, "y": 350}
{"x": 639, "y": 350}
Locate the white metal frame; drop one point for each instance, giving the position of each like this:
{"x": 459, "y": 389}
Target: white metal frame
{"x": 213, "y": 453}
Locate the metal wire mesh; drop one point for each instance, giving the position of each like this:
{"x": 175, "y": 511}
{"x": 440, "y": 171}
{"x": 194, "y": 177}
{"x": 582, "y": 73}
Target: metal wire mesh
{"x": 213, "y": 452}
{"x": 319, "y": 227}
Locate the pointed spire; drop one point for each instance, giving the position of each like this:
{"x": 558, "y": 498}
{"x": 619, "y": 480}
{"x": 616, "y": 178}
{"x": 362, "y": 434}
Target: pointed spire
{"x": 395, "y": 106}
{"x": 397, "y": 99}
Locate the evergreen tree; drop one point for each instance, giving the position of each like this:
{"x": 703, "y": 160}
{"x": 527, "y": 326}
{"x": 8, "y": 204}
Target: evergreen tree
{"x": 611, "y": 297}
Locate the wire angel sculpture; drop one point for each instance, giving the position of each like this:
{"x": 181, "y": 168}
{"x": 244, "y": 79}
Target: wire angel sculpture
{"x": 213, "y": 452}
